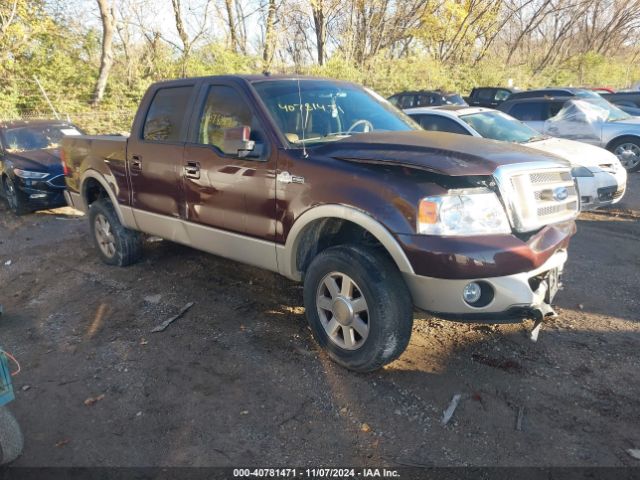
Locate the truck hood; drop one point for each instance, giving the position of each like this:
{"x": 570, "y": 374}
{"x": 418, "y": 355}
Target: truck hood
{"x": 438, "y": 152}
{"x": 577, "y": 153}
{"x": 38, "y": 160}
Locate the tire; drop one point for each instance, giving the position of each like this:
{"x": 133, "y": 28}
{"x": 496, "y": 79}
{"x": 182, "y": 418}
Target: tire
{"x": 116, "y": 244}
{"x": 11, "y": 440}
{"x": 17, "y": 200}
{"x": 631, "y": 161}
{"x": 360, "y": 340}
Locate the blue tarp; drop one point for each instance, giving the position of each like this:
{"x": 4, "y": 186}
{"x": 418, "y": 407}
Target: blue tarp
{"x": 6, "y": 388}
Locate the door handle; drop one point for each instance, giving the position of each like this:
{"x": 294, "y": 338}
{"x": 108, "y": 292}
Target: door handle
{"x": 136, "y": 162}
{"x": 192, "y": 170}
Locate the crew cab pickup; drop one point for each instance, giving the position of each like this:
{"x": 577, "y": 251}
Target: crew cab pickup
{"x": 327, "y": 183}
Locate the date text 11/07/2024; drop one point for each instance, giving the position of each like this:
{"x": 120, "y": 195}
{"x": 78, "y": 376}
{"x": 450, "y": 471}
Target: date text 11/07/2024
{"x": 315, "y": 473}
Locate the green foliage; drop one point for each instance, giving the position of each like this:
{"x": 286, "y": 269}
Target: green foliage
{"x": 65, "y": 58}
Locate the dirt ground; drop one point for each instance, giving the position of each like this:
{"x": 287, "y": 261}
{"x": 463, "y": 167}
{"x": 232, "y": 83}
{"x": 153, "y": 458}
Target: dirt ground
{"x": 238, "y": 380}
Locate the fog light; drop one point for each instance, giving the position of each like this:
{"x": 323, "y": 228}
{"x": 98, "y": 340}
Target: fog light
{"x": 472, "y": 293}
{"x": 38, "y": 195}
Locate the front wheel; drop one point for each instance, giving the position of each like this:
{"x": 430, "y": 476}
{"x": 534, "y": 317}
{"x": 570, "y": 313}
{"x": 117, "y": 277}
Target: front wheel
{"x": 358, "y": 306}
{"x": 628, "y": 152}
{"x": 116, "y": 244}
{"x": 11, "y": 440}
{"x": 18, "y": 202}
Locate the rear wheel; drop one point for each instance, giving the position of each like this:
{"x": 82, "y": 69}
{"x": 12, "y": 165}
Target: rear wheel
{"x": 18, "y": 202}
{"x": 358, "y": 306}
{"x": 116, "y": 244}
{"x": 11, "y": 440}
{"x": 628, "y": 152}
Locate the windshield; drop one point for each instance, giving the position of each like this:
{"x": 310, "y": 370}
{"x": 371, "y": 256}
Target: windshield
{"x": 36, "y": 137}
{"x": 614, "y": 113}
{"x": 500, "y": 126}
{"x": 329, "y": 111}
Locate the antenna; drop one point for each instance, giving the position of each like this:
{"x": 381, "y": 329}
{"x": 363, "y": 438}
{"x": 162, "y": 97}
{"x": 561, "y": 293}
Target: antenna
{"x": 302, "y": 120}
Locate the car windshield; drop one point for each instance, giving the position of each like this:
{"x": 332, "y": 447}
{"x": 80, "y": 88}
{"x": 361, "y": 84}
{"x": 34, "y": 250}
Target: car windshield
{"x": 319, "y": 111}
{"x": 500, "y": 126}
{"x": 36, "y": 137}
{"x": 614, "y": 113}
{"x": 454, "y": 99}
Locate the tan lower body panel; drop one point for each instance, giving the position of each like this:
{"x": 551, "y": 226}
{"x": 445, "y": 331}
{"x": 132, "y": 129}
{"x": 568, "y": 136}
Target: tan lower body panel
{"x": 445, "y": 295}
{"x": 230, "y": 245}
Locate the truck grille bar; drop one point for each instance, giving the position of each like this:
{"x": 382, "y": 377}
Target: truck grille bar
{"x": 537, "y": 194}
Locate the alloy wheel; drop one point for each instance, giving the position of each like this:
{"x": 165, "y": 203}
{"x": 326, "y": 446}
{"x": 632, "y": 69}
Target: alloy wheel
{"x": 343, "y": 311}
{"x": 629, "y": 154}
{"x": 10, "y": 191}
{"x": 104, "y": 235}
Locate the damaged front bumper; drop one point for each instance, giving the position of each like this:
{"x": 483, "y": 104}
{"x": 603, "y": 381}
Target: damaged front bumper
{"x": 512, "y": 297}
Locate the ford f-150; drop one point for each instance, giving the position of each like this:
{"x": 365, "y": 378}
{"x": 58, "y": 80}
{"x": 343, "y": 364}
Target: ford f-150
{"x": 327, "y": 183}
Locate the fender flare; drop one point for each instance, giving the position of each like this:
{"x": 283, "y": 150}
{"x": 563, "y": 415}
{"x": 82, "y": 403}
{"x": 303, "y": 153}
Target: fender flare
{"x": 97, "y": 176}
{"x": 287, "y": 254}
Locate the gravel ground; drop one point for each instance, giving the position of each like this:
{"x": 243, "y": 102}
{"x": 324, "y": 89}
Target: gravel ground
{"x": 238, "y": 379}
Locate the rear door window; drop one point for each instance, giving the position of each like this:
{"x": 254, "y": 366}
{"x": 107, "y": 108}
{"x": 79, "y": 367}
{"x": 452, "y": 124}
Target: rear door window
{"x": 486, "y": 94}
{"x": 166, "y": 118}
{"x": 407, "y": 101}
{"x": 529, "y": 111}
{"x": 502, "y": 95}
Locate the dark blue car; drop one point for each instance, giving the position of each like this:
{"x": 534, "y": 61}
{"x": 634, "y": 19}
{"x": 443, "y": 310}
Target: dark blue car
{"x": 31, "y": 172}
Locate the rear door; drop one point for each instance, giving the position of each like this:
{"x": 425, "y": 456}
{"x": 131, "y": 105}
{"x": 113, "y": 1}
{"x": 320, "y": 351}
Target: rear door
{"x": 533, "y": 113}
{"x": 154, "y": 154}
{"x": 227, "y": 186}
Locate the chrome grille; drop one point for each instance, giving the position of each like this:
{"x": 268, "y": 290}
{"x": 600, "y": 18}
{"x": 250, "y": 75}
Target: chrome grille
{"x": 537, "y": 194}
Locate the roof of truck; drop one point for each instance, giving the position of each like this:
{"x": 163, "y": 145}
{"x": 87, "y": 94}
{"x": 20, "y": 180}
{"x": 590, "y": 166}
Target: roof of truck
{"x": 251, "y": 78}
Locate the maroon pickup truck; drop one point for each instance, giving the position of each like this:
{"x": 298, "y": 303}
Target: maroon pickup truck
{"x": 326, "y": 183}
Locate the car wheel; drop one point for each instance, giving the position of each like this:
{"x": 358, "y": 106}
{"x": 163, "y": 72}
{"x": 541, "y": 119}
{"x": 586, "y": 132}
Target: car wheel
{"x": 628, "y": 152}
{"x": 11, "y": 440}
{"x": 358, "y": 306}
{"x": 18, "y": 202}
{"x": 116, "y": 244}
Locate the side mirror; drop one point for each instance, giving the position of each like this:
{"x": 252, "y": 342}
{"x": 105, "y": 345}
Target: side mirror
{"x": 236, "y": 141}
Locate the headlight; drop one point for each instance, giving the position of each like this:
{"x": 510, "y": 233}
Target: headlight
{"x": 29, "y": 174}
{"x": 581, "y": 172}
{"x": 463, "y": 212}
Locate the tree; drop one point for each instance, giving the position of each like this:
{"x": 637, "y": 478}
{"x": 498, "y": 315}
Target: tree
{"x": 106, "y": 59}
{"x": 269, "y": 35}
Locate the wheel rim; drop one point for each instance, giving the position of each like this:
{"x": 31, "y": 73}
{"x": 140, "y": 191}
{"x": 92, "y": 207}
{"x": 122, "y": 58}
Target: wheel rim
{"x": 343, "y": 311}
{"x": 628, "y": 154}
{"x": 104, "y": 236}
{"x": 10, "y": 190}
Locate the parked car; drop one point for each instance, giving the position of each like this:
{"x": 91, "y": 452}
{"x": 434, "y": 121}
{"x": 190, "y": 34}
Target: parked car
{"x": 425, "y": 98}
{"x": 625, "y": 101}
{"x": 489, "y": 97}
{"x": 554, "y": 92}
{"x": 31, "y": 176}
{"x": 592, "y": 120}
{"x": 572, "y": 92}
{"x": 325, "y": 182}
{"x": 600, "y": 177}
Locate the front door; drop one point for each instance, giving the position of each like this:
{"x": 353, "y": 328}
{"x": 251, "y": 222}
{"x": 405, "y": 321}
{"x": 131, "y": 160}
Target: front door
{"x": 229, "y": 168}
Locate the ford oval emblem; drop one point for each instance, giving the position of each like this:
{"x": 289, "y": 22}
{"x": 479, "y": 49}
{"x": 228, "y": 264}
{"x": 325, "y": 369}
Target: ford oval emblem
{"x": 560, "y": 193}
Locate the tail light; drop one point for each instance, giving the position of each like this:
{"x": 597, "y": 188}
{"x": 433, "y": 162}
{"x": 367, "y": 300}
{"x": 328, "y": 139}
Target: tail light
{"x": 63, "y": 159}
